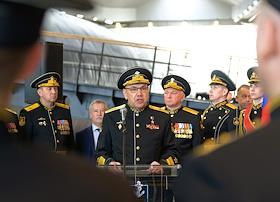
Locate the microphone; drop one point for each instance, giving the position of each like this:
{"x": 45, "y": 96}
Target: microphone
{"x": 123, "y": 112}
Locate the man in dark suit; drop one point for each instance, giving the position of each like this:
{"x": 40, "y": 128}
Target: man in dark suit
{"x": 248, "y": 169}
{"x": 29, "y": 173}
{"x": 87, "y": 139}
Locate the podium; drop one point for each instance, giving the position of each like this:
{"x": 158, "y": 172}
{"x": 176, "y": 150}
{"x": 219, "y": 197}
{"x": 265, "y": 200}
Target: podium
{"x": 147, "y": 186}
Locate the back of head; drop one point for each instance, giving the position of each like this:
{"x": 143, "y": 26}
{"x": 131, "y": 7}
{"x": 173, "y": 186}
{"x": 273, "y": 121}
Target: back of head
{"x": 268, "y": 51}
{"x": 20, "y": 24}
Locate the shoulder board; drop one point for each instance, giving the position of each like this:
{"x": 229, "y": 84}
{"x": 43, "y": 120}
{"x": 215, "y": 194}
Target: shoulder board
{"x": 65, "y": 106}
{"x": 115, "y": 108}
{"x": 192, "y": 111}
{"x": 31, "y": 107}
{"x": 158, "y": 109}
{"x": 232, "y": 106}
{"x": 11, "y": 111}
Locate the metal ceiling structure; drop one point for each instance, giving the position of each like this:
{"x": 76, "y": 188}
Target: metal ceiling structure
{"x": 165, "y": 12}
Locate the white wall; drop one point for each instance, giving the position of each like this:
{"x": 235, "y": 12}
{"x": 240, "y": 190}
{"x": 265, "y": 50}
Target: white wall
{"x": 224, "y": 47}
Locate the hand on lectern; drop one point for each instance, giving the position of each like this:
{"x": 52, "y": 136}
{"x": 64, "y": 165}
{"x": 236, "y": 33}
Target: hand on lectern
{"x": 115, "y": 167}
{"x": 155, "y": 168}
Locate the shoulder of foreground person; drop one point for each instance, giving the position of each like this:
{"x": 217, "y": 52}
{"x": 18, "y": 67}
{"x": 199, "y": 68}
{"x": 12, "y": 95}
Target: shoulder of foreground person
{"x": 35, "y": 175}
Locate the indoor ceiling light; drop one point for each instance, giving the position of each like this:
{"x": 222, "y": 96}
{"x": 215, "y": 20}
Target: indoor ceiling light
{"x": 108, "y": 21}
{"x": 80, "y": 16}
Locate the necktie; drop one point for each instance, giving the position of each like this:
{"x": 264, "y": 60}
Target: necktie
{"x": 96, "y": 136}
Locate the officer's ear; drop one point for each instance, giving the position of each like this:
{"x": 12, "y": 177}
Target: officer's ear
{"x": 39, "y": 91}
{"x": 183, "y": 96}
{"x": 125, "y": 93}
{"x": 33, "y": 56}
{"x": 225, "y": 91}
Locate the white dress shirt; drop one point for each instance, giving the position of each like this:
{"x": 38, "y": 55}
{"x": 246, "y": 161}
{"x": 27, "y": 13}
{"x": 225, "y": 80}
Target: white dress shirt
{"x": 96, "y": 131}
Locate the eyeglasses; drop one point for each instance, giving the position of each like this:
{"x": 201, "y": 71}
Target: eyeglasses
{"x": 135, "y": 90}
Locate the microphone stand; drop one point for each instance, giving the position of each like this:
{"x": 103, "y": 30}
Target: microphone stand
{"x": 124, "y": 131}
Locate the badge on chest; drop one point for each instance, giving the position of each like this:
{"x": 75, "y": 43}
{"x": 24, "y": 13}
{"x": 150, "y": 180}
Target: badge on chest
{"x": 42, "y": 121}
{"x": 63, "y": 126}
{"x": 152, "y": 125}
{"x": 182, "y": 130}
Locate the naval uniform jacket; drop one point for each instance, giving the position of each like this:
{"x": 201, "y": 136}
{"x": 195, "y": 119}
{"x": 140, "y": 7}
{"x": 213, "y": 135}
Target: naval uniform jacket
{"x": 148, "y": 137}
{"x": 51, "y": 127}
{"x": 185, "y": 128}
{"x": 10, "y": 118}
{"x": 242, "y": 171}
{"x": 250, "y": 118}
{"x": 215, "y": 120}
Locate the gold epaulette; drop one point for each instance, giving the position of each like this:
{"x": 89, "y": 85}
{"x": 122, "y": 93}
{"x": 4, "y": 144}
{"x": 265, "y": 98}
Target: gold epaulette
{"x": 232, "y": 106}
{"x": 101, "y": 161}
{"x": 31, "y": 107}
{"x": 158, "y": 109}
{"x": 65, "y": 106}
{"x": 192, "y": 111}
{"x": 9, "y": 110}
{"x": 115, "y": 108}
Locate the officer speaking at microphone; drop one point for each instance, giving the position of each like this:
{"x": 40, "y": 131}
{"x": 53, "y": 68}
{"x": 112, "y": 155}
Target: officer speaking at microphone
{"x": 148, "y": 129}
{"x": 47, "y": 122}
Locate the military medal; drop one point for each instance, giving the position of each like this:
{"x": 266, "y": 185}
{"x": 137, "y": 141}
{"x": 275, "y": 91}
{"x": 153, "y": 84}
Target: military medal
{"x": 152, "y": 125}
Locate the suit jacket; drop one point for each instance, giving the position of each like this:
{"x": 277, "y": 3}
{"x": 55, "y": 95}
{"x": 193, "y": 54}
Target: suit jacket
{"x": 45, "y": 176}
{"x": 245, "y": 170}
{"x": 85, "y": 143}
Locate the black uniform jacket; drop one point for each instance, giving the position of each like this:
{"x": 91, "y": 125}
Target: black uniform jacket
{"x": 148, "y": 137}
{"x": 10, "y": 118}
{"x": 49, "y": 127}
{"x": 186, "y": 129}
{"x": 250, "y": 118}
{"x": 237, "y": 172}
{"x": 215, "y": 120}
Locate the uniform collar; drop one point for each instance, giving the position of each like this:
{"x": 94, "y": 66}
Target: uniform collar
{"x": 220, "y": 104}
{"x": 48, "y": 108}
{"x": 137, "y": 110}
{"x": 173, "y": 111}
{"x": 94, "y": 127}
{"x": 258, "y": 106}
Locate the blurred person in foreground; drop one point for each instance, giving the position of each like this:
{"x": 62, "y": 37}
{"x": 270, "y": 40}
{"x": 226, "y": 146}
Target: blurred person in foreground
{"x": 29, "y": 173}
{"x": 247, "y": 169}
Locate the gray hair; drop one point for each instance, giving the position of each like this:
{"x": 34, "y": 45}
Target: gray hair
{"x": 97, "y": 101}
